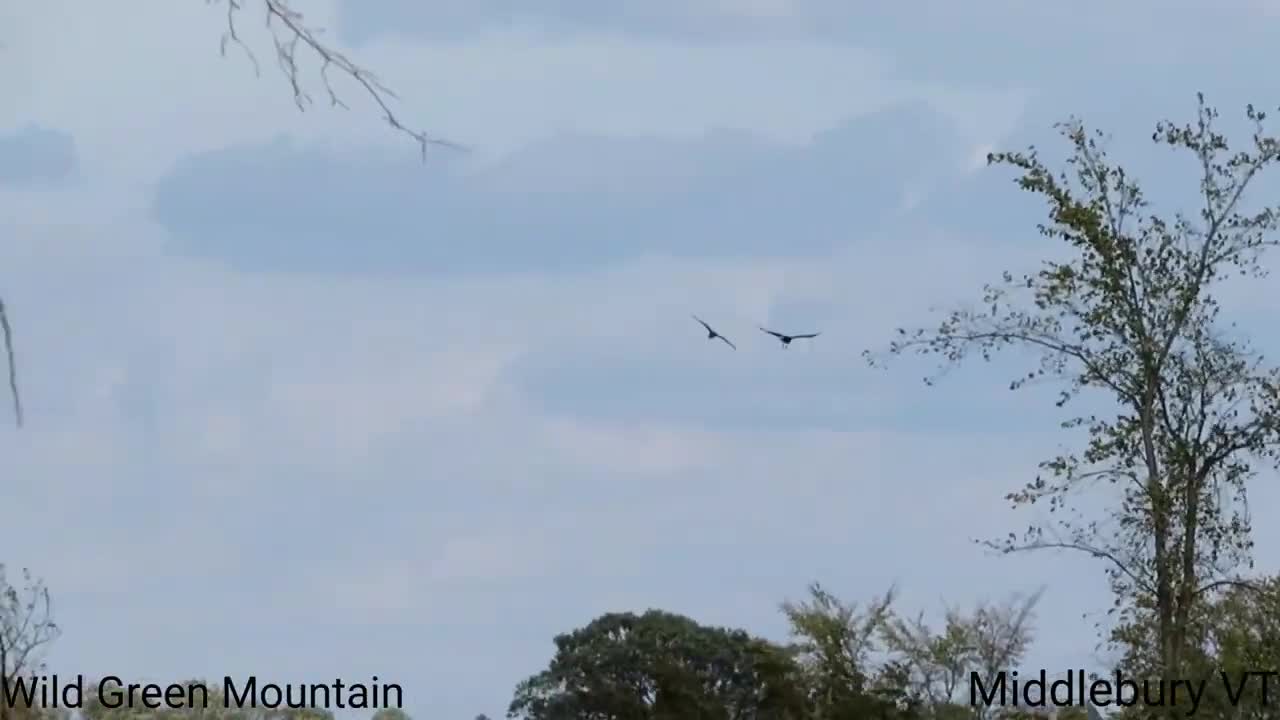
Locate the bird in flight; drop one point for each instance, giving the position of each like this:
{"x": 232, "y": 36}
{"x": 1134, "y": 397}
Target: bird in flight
{"x": 712, "y": 334}
{"x": 786, "y": 339}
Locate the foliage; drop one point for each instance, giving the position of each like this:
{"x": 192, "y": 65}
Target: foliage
{"x": 990, "y": 639}
{"x": 845, "y": 661}
{"x": 836, "y": 643}
{"x": 661, "y": 665}
{"x": 1236, "y": 632}
{"x": 1133, "y": 315}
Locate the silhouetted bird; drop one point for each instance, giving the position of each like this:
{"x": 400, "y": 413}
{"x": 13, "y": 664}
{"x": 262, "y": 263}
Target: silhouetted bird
{"x": 786, "y": 339}
{"x": 712, "y": 334}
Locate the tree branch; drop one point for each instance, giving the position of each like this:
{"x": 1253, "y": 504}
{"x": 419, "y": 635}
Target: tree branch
{"x": 278, "y": 11}
{"x": 1052, "y": 344}
{"x": 13, "y": 366}
{"x": 1096, "y": 552}
{"x": 1243, "y": 584}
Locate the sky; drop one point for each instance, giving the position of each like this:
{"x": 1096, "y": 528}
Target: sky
{"x": 301, "y": 406}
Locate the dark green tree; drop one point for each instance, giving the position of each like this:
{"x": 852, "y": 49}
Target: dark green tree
{"x": 661, "y": 666}
{"x": 1131, "y": 314}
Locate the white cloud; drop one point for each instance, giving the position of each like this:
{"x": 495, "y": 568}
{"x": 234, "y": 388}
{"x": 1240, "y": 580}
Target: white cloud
{"x": 389, "y": 592}
{"x": 489, "y": 558}
{"x": 756, "y": 9}
{"x": 496, "y": 91}
{"x": 615, "y": 451}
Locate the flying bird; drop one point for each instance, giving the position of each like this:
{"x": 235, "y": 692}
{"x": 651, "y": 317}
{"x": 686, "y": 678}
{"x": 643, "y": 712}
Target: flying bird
{"x": 786, "y": 339}
{"x": 712, "y": 334}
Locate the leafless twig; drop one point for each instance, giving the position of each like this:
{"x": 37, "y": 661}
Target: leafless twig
{"x": 13, "y": 366}
{"x": 295, "y": 32}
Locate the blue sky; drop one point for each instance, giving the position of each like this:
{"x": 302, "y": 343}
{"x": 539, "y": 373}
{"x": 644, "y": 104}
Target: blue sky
{"x": 300, "y": 406}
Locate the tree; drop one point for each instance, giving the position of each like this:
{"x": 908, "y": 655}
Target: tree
{"x": 872, "y": 662}
{"x": 991, "y": 639}
{"x": 1132, "y": 315}
{"x": 836, "y": 642}
{"x": 26, "y": 629}
{"x": 937, "y": 664}
{"x": 661, "y": 665}
{"x": 1000, "y": 635}
{"x": 1235, "y": 634}
{"x": 1240, "y": 633}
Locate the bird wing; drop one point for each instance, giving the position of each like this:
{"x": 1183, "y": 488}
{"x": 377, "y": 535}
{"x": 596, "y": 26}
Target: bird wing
{"x": 704, "y": 324}
{"x": 777, "y": 335}
{"x": 726, "y": 342}
{"x": 810, "y": 335}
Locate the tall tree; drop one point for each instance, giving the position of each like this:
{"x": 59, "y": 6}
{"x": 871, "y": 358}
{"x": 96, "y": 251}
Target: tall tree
{"x": 26, "y": 629}
{"x": 1133, "y": 314}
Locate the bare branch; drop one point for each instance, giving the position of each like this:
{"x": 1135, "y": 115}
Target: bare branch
{"x": 1242, "y": 584}
{"x": 292, "y": 33}
{"x": 13, "y": 365}
{"x": 1099, "y": 553}
{"x": 26, "y": 628}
